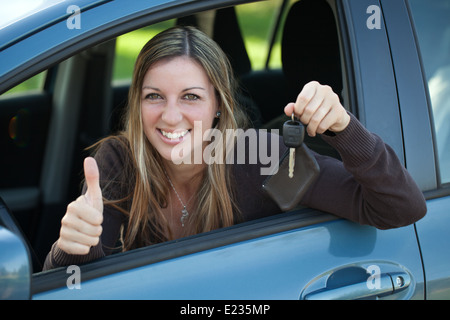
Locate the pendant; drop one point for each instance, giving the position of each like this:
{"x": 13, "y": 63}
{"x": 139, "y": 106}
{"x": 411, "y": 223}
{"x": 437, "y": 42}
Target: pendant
{"x": 184, "y": 215}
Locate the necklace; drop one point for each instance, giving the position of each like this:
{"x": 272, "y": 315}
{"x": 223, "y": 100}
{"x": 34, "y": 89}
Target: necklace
{"x": 184, "y": 212}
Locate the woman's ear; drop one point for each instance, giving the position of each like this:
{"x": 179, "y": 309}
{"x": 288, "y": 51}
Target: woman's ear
{"x": 216, "y": 118}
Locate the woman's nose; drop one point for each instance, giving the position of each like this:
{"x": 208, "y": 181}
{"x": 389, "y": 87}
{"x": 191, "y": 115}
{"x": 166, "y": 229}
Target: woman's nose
{"x": 172, "y": 114}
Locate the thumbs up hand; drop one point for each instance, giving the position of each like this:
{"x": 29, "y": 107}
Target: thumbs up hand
{"x": 81, "y": 225}
{"x": 94, "y": 193}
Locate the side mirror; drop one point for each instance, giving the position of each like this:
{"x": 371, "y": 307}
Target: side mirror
{"x": 15, "y": 261}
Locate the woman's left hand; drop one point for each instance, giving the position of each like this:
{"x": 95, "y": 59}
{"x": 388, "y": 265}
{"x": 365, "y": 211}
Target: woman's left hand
{"x": 319, "y": 108}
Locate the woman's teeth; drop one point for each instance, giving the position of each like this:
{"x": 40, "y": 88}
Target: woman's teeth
{"x": 174, "y": 135}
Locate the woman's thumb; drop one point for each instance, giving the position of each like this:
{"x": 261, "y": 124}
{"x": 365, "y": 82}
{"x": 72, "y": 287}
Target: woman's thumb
{"x": 92, "y": 178}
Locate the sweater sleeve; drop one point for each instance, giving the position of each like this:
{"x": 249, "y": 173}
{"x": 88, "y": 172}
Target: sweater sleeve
{"x": 110, "y": 161}
{"x": 370, "y": 186}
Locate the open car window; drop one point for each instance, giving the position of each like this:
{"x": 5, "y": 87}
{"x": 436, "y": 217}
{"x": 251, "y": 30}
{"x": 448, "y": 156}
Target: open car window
{"x": 256, "y": 39}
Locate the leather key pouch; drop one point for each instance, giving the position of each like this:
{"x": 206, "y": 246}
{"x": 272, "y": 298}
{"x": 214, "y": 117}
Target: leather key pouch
{"x": 287, "y": 192}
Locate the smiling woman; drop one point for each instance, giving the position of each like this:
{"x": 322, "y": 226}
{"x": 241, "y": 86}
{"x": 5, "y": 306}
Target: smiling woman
{"x": 177, "y": 63}
{"x": 182, "y": 76}
{"x": 176, "y": 93}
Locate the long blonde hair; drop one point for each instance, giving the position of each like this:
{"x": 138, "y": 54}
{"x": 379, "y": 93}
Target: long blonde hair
{"x": 216, "y": 207}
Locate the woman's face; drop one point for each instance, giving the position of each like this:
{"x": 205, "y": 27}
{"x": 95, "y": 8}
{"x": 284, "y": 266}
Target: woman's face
{"x": 176, "y": 94}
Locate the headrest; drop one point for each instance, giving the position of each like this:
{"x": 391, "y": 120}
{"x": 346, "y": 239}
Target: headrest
{"x": 310, "y": 46}
{"x": 227, "y": 34}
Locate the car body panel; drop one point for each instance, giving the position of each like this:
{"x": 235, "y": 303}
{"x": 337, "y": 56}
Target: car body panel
{"x": 434, "y": 238}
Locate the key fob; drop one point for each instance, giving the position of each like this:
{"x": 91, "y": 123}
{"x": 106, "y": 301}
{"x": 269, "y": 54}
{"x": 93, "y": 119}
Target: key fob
{"x": 287, "y": 192}
{"x": 293, "y": 133}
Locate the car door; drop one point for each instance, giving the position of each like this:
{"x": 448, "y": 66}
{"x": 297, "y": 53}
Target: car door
{"x": 328, "y": 260}
{"x": 304, "y": 254}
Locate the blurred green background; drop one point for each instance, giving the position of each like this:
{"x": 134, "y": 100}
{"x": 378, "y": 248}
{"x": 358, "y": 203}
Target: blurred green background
{"x": 255, "y": 20}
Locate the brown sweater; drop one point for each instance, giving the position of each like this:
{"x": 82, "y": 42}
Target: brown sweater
{"x": 369, "y": 186}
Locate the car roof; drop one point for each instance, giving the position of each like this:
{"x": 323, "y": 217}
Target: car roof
{"x": 22, "y": 18}
{"x": 15, "y": 11}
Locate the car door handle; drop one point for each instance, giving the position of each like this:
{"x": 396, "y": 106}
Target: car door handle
{"x": 387, "y": 283}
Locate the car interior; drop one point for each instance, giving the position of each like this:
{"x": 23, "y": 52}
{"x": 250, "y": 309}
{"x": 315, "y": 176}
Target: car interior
{"x": 47, "y": 132}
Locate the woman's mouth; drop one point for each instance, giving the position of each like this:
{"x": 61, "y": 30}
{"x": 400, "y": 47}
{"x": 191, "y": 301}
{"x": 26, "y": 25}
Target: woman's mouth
{"x": 174, "y": 135}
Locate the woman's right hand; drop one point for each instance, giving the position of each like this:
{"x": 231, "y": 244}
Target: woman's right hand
{"x": 319, "y": 109}
{"x": 81, "y": 226}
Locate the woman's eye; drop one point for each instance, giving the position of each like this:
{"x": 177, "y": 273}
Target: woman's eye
{"x": 191, "y": 97}
{"x": 153, "y": 96}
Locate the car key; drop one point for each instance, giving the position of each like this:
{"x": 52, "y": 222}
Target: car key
{"x": 280, "y": 186}
{"x": 293, "y": 135}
